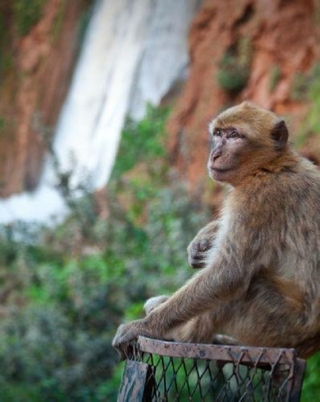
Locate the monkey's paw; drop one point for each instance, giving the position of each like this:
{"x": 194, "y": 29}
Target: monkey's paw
{"x": 197, "y": 252}
{"x": 126, "y": 334}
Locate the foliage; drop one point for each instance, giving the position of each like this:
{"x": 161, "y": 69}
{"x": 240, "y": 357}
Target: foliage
{"x": 311, "y": 384}
{"x": 84, "y": 21}
{"x": 234, "y": 68}
{"x": 27, "y": 14}
{"x": 306, "y": 87}
{"x": 65, "y": 290}
{"x": 303, "y": 83}
{"x": 275, "y": 75}
{"x": 56, "y": 29}
{"x": 2, "y": 123}
{"x": 142, "y": 141}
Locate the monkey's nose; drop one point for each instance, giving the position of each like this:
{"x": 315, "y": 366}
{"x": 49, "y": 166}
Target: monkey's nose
{"x": 216, "y": 155}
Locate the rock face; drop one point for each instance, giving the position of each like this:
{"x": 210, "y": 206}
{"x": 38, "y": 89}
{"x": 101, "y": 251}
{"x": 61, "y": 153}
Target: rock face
{"x": 132, "y": 53}
{"x": 264, "y": 45}
{"x": 33, "y": 89}
{"x": 248, "y": 49}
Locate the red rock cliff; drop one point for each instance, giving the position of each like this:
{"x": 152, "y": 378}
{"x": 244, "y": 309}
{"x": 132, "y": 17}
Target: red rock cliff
{"x": 265, "y": 45}
{"x": 34, "y": 81}
{"x": 244, "y": 49}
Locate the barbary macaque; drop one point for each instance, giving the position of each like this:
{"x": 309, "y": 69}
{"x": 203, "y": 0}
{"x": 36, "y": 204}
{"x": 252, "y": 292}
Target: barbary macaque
{"x": 259, "y": 282}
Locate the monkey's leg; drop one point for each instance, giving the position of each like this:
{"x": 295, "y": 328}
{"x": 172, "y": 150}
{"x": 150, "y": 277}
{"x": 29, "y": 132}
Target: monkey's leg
{"x": 188, "y": 329}
{"x": 204, "y": 328}
{"x": 198, "y": 330}
{"x": 308, "y": 346}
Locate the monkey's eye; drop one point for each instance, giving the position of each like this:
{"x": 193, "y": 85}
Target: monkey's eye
{"x": 233, "y": 134}
{"x": 217, "y": 133}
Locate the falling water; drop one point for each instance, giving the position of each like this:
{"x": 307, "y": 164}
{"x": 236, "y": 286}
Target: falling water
{"x": 133, "y": 52}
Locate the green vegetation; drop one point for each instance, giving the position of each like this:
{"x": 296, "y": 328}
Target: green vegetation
{"x": 142, "y": 142}
{"x": 27, "y": 14}
{"x": 2, "y": 123}
{"x": 56, "y": 29}
{"x": 302, "y": 83}
{"x": 84, "y": 22}
{"x": 65, "y": 291}
{"x": 306, "y": 87}
{"x": 275, "y": 75}
{"x": 234, "y": 68}
{"x": 311, "y": 385}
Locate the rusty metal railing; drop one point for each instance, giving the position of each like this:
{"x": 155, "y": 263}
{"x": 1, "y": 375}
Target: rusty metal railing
{"x": 170, "y": 371}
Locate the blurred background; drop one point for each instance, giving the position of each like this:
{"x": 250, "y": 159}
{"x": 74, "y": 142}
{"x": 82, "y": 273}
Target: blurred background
{"x": 104, "y": 107}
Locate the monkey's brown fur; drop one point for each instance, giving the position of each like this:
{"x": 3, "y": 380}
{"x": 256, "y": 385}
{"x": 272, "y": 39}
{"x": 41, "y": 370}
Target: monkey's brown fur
{"x": 260, "y": 282}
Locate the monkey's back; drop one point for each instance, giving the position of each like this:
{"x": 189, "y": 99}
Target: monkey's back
{"x": 282, "y": 304}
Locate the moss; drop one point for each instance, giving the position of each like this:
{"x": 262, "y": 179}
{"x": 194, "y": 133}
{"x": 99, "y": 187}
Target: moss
{"x": 306, "y": 87}
{"x": 234, "y": 68}
{"x": 83, "y": 23}
{"x": 27, "y": 14}
{"x": 300, "y": 87}
{"x": 275, "y": 75}
{"x": 58, "y": 21}
{"x": 2, "y": 123}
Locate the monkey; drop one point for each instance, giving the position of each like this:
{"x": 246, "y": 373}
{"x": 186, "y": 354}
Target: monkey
{"x": 258, "y": 277}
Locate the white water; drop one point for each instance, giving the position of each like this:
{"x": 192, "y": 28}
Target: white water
{"x": 133, "y": 52}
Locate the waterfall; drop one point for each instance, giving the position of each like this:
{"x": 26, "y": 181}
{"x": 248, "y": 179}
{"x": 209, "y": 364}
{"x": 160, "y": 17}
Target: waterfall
{"x": 133, "y": 52}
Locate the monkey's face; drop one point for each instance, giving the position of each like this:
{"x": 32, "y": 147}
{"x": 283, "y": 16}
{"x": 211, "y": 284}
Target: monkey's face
{"x": 244, "y": 138}
{"x": 229, "y": 148}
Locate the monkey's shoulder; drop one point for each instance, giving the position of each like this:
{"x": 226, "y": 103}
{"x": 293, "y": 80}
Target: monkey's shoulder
{"x": 277, "y": 198}
{"x": 303, "y": 180}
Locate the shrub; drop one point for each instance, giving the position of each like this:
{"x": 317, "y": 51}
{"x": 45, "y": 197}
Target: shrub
{"x": 27, "y": 14}
{"x": 70, "y": 288}
{"x": 306, "y": 88}
{"x": 234, "y": 68}
{"x": 275, "y": 75}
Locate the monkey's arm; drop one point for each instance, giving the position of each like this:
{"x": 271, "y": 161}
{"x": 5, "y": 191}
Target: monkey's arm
{"x": 226, "y": 279}
{"x": 201, "y": 244}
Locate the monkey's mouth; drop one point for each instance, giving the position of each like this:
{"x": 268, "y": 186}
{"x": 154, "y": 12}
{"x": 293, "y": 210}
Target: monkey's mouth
{"x": 219, "y": 170}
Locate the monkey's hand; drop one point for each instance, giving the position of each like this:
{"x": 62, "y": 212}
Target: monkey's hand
{"x": 201, "y": 244}
{"x": 197, "y": 252}
{"x": 126, "y": 334}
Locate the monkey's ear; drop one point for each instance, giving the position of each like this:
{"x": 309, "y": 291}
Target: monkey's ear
{"x": 280, "y": 134}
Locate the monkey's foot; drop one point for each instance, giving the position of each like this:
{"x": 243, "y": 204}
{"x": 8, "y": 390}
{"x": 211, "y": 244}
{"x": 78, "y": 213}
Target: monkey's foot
{"x": 224, "y": 340}
{"x": 154, "y": 302}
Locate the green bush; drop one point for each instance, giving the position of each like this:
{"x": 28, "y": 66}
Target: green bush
{"x": 303, "y": 84}
{"x": 275, "y": 75}
{"x": 27, "y": 14}
{"x": 311, "y": 384}
{"x": 142, "y": 141}
{"x": 70, "y": 288}
{"x": 232, "y": 77}
{"x": 234, "y": 68}
{"x": 306, "y": 88}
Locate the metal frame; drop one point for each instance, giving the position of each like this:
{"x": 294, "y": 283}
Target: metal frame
{"x": 140, "y": 375}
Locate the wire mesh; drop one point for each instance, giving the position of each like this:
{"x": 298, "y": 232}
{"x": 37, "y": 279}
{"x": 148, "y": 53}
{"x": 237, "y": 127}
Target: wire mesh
{"x": 170, "y": 371}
